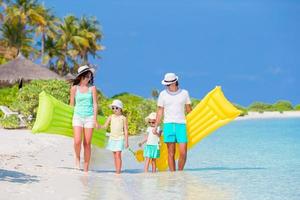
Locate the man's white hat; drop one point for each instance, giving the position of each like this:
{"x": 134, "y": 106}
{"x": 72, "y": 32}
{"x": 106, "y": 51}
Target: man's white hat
{"x": 116, "y": 103}
{"x": 84, "y": 69}
{"x": 169, "y": 79}
{"x": 151, "y": 116}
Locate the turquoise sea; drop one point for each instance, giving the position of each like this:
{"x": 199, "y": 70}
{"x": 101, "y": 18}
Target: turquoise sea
{"x": 245, "y": 160}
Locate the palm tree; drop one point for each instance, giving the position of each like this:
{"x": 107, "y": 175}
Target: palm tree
{"x": 46, "y": 30}
{"x": 20, "y": 19}
{"x": 70, "y": 42}
{"x": 52, "y": 52}
{"x": 16, "y": 38}
{"x": 89, "y": 29}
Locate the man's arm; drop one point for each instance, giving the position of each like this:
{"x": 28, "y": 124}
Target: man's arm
{"x": 188, "y": 108}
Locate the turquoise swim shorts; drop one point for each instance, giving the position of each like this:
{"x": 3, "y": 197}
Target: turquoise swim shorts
{"x": 174, "y": 132}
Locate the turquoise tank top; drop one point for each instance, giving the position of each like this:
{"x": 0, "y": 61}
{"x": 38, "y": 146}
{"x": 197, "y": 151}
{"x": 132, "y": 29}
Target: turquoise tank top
{"x": 83, "y": 103}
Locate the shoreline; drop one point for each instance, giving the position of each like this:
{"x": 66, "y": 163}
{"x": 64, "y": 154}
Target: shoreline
{"x": 41, "y": 166}
{"x": 269, "y": 115}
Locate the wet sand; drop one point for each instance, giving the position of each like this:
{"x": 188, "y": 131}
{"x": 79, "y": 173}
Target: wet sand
{"x": 42, "y": 167}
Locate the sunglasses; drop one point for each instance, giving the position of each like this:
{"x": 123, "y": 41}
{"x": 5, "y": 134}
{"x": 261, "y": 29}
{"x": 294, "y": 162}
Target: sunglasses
{"x": 151, "y": 122}
{"x": 115, "y": 108}
{"x": 87, "y": 77}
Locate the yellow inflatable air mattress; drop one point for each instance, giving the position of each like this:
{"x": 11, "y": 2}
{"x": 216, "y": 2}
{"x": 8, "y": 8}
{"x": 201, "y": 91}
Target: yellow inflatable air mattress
{"x": 212, "y": 112}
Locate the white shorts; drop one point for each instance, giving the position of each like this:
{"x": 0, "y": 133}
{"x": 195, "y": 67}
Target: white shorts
{"x": 84, "y": 122}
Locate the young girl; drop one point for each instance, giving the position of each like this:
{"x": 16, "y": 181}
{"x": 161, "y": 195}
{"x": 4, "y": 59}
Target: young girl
{"x": 118, "y": 133}
{"x": 151, "y": 150}
{"x": 84, "y": 96}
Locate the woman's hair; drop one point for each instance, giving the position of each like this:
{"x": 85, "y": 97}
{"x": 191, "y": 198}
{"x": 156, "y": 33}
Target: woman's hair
{"x": 81, "y": 76}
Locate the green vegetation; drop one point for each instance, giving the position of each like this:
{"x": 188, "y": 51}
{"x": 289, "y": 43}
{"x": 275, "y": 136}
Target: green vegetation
{"x": 260, "y": 107}
{"x": 136, "y": 108}
{"x": 194, "y": 102}
{"x": 27, "y": 99}
{"x": 243, "y": 110}
{"x": 280, "y": 106}
{"x": 10, "y": 122}
{"x": 8, "y": 95}
{"x": 27, "y": 26}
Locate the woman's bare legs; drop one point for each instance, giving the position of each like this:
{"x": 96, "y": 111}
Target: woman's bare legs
{"x": 77, "y": 144}
{"x": 88, "y": 133}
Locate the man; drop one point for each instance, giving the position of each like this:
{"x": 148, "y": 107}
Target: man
{"x": 173, "y": 103}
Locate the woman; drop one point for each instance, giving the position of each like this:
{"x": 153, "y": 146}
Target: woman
{"x": 84, "y": 96}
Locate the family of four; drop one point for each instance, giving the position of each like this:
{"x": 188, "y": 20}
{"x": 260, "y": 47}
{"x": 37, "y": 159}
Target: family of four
{"x": 172, "y": 105}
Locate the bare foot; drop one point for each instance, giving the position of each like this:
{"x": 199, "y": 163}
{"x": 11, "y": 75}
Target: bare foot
{"x": 86, "y": 167}
{"x": 77, "y": 164}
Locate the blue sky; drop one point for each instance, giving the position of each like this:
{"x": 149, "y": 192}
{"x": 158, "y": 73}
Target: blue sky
{"x": 249, "y": 47}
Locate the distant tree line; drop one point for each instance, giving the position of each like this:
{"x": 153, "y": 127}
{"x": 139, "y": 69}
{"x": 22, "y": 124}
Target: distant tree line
{"x": 280, "y": 106}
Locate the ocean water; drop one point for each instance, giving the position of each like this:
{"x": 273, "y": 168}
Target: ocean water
{"x": 250, "y": 159}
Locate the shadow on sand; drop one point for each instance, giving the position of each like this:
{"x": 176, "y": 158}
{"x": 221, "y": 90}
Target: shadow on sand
{"x": 16, "y": 177}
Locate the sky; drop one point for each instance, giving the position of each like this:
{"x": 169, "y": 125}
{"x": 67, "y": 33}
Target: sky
{"x": 251, "y": 48}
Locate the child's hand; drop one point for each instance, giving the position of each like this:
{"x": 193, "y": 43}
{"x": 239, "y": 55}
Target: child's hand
{"x": 97, "y": 126}
{"x": 126, "y": 145}
{"x": 154, "y": 130}
{"x": 159, "y": 133}
{"x": 140, "y": 144}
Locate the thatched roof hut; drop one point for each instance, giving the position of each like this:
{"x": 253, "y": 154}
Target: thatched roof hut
{"x": 25, "y": 70}
{"x": 69, "y": 77}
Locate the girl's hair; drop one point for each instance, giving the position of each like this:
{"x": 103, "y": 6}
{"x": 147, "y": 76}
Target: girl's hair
{"x": 81, "y": 76}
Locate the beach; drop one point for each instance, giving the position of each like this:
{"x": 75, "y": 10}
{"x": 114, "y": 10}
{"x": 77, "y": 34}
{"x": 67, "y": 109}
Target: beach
{"x": 270, "y": 115}
{"x": 41, "y": 166}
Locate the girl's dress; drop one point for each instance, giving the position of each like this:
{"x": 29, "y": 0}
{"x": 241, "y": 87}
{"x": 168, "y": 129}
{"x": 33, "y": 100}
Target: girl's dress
{"x": 116, "y": 138}
{"x": 151, "y": 150}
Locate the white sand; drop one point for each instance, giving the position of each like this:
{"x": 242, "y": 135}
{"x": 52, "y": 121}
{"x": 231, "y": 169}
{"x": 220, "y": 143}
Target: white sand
{"x": 270, "y": 115}
{"x": 41, "y": 167}
{"x": 37, "y": 167}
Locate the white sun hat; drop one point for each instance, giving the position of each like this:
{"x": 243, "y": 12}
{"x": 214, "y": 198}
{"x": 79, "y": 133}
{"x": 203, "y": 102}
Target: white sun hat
{"x": 116, "y": 103}
{"x": 84, "y": 69}
{"x": 151, "y": 116}
{"x": 169, "y": 79}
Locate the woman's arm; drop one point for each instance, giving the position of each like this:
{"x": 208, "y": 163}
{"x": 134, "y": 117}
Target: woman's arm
{"x": 95, "y": 105}
{"x": 72, "y": 95}
{"x": 126, "y": 132}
